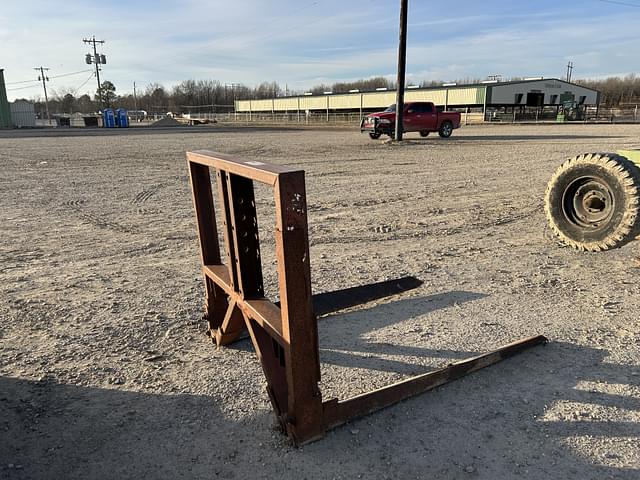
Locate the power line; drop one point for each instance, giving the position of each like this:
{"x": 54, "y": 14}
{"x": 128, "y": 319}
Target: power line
{"x": 53, "y": 76}
{"x": 616, "y": 2}
{"x": 73, "y": 73}
{"x": 24, "y": 88}
{"x": 23, "y": 81}
{"x": 75, "y": 92}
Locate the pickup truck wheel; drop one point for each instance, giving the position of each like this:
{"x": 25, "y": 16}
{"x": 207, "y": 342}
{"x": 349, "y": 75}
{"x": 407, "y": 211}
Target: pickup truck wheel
{"x": 592, "y": 202}
{"x": 424, "y": 133}
{"x": 445, "y": 130}
{"x": 374, "y": 135}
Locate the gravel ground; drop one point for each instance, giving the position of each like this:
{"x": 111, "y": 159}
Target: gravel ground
{"x": 105, "y": 370}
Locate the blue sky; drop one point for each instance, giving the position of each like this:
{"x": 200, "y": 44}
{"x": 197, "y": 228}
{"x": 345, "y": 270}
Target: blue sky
{"x": 303, "y": 43}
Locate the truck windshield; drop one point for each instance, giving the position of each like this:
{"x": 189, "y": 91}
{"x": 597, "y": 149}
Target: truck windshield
{"x": 391, "y": 108}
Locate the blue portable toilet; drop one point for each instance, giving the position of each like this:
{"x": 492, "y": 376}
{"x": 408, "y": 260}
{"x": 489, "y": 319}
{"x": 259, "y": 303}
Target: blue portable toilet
{"x": 122, "y": 117}
{"x": 108, "y": 118}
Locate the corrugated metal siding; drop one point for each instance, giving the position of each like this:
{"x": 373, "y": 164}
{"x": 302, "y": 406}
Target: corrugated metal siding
{"x": 282, "y": 104}
{"x": 344, "y": 102}
{"x": 313, "y": 103}
{"x": 23, "y": 114}
{"x": 261, "y": 105}
{"x": 5, "y": 113}
{"x": 436, "y": 96}
{"x": 466, "y": 96}
{"x": 378, "y": 99}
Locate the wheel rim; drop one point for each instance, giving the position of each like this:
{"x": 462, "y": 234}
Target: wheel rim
{"x": 588, "y": 202}
{"x": 446, "y": 129}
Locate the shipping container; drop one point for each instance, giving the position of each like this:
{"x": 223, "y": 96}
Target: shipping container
{"x": 23, "y": 114}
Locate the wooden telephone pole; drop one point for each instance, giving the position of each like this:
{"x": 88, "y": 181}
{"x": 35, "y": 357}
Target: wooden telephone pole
{"x": 402, "y": 63}
{"x": 44, "y": 79}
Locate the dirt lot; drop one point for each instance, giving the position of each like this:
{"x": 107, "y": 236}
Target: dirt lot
{"x": 105, "y": 371}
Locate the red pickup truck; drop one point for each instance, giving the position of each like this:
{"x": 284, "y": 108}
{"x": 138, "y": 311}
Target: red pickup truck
{"x": 420, "y": 117}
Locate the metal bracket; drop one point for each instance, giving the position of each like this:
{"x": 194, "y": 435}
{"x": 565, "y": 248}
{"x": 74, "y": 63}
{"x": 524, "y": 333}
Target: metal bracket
{"x": 285, "y": 334}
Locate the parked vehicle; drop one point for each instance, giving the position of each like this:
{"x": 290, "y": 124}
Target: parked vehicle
{"x": 420, "y": 117}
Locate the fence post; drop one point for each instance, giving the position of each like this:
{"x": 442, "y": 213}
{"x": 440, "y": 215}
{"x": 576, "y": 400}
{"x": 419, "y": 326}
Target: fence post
{"x": 327, "y": 109}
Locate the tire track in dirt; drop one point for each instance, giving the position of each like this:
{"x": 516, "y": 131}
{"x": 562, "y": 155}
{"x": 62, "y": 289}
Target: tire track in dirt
{"x": 391, "y": 233}
{"x": 77, "y": 203}
{"x": 79, "y": 207}
{"x": 146, "y": 194}
{"x": 141, "y": 198}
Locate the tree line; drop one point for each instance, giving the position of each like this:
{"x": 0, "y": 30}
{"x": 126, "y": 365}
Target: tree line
{"x": 616, "y": 91}
{"x": 203, "y": 96}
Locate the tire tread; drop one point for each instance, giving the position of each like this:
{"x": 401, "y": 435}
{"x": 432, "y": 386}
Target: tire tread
{"x": 628, "y": 174}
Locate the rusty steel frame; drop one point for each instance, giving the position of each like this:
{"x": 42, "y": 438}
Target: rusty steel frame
{"x": 284, "y": 335}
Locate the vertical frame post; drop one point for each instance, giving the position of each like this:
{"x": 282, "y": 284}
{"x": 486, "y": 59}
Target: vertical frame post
{"x": 300, "y": 330}
{"x": 215, "y": 300}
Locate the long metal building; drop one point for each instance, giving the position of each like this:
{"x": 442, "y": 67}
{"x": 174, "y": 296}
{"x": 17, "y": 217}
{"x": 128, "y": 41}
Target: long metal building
{"x": 535, "y": 92}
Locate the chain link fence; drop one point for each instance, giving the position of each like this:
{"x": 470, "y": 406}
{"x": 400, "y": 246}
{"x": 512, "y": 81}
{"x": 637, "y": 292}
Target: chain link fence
{"x": 468, "y": 117}
{"x": 590, "y": 115}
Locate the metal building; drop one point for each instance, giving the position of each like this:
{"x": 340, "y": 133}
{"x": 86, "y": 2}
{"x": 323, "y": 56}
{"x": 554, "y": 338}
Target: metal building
{"x": 536, "y": 92}
{"x": 5, "y": 112}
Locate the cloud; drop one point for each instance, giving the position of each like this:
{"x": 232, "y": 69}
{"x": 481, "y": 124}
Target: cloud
{"x": 303, "y": 43}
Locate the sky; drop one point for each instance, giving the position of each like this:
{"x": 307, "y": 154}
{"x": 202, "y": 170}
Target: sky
{"x": 304, "y": 43}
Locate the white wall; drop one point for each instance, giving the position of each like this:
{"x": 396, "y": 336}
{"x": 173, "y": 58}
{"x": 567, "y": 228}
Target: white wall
{"x": 505, "y": 94}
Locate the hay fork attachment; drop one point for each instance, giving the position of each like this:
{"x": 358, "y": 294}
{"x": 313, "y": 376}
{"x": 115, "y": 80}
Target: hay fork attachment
{"x": 285, "y": 334}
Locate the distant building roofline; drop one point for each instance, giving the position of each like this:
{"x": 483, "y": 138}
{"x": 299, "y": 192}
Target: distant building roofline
{"x": 450, "y": 85}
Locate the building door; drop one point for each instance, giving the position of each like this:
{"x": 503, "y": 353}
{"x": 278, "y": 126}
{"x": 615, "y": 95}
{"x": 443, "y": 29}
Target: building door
{"x": 535, "y": 99}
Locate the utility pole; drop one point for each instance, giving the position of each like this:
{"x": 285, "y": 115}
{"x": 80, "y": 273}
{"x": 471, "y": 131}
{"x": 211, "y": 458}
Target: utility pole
{"x": 569, "y": 71}
{"x": 44, "y": 79}
{"x": 233, "y": 90}
{"x": 402, "y": 63}
{"x": 135, "y": 99}
{"x": 97, "y": 59}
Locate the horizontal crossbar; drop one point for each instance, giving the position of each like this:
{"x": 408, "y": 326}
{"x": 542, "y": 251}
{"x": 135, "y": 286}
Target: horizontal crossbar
{"x": 262, "y": 310}
{"x": 259, "y": 171}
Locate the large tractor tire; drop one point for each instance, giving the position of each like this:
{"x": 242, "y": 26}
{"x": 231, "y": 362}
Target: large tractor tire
{"x": 592, "y": 202}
